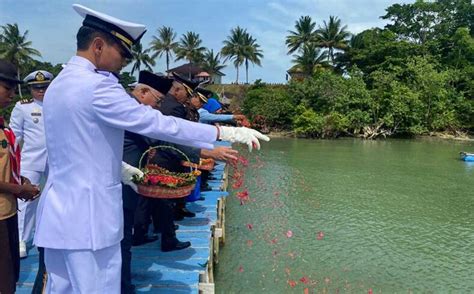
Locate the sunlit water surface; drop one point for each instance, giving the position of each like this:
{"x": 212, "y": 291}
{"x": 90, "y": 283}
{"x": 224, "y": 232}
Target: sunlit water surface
{"x": 393, "y": 216}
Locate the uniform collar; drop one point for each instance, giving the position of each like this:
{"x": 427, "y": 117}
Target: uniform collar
{"x": 82, "y": 62}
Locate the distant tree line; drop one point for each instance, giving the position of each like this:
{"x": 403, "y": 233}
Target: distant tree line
{"x": 414, "y": 76}
{"x": 240, "y": 48}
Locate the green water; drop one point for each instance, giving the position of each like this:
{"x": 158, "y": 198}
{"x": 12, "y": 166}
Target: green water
{"x": 397, "y": 217}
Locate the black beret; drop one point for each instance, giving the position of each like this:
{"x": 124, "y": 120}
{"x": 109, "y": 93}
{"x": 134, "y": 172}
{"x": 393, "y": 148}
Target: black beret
{"x": 8, "y": 72}
{"x": 159, "y": 83}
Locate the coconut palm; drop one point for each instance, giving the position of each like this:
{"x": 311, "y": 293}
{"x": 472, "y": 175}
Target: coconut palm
{"x": 212, "y": 62}
{"x": 141, "y": 57}
{"x": 310, "y": 57}
{"x": 252, "y": 54}
{"x": 16, "y": 48}
{"x": 234, "y": 48}
{"x": 189, "y": 48}
{"x": 304, "y": 33}
{"x": 333, "y": 36}
{"x": 164, "y": 44}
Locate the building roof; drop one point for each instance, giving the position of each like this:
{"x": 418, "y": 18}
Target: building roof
{"x": 190, "y": 68}
{"x": 202, "y": 74}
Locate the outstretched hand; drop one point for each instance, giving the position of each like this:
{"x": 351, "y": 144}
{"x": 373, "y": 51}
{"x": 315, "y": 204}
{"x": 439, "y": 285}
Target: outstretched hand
{"x": 243, "y": 135}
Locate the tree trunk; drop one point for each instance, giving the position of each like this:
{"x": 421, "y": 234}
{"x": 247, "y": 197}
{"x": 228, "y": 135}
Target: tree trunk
{"x": 246, "y": 71}
{"x": 167, "y": 63}
{"x": 19, "y": 85}
{"x": 190, "y": 68}
{"x": 237, "y": 79}
{"x": 331, "y": 54}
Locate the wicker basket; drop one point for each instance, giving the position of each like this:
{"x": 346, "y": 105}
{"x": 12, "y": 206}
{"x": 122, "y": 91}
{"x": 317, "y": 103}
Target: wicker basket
{"x": 155, "y": 191}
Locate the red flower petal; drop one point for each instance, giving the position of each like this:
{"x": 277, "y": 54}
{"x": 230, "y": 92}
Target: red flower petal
{"x": 304, "y": 280}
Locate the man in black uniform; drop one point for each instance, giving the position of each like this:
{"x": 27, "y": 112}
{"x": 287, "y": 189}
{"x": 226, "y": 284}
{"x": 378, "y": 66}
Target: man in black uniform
{"x": 176, "y": 104}
{"x": 149, "y": 91}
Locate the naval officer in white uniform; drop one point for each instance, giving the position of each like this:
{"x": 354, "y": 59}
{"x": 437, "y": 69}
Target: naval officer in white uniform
{"x": 26, "y": 121}
{"x": 86, "y": 110}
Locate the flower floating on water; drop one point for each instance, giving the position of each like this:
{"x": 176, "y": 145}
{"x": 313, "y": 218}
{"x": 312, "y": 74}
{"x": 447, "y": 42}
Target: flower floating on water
{"x": 320, "y": 236}
{"x": 304, "y": 280}
{"x": 250, "y": 226}
{"x": 243, "y": 196}
{"x": 241, "y": 269}
{"x": 291, "y": 283}
{"x": 289, "y": 234}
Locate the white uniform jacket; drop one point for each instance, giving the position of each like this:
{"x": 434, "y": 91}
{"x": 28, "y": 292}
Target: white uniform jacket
{"x": 85, "y": 115}
{"x": 26, "y": 122}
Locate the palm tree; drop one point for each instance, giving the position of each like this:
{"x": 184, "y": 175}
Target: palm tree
{"x": 141, "y": 57}
{"x": 190, "y": 48}
{"x": 304, "y": 33}
{"x": 212, "y": 63}
{"x": 234, "y": 48}
{"x": 310, "y": 58}
{"x": 333, "y": 36}
{"x": 15, "y": 47}
{"x": 164, "y": 44}
{"x": 253, "y": 54}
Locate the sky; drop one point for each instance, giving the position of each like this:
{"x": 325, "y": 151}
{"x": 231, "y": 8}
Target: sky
{"x": 53, "y": 24}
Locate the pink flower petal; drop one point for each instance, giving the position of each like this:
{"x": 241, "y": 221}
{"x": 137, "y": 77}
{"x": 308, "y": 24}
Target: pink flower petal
{"x": 289, "y": 234}
{"x": 320, "y": 236}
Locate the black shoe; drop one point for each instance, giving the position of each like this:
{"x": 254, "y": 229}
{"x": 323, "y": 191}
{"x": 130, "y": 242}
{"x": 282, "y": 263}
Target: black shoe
{"x": 202, "y": 198}
{"x": 180, "y": 213}
{"x": 176, "y": 245}
{"x": 137, "y": 241}
{"x": 186, "y": 213}
{"x": 178, "y": 216}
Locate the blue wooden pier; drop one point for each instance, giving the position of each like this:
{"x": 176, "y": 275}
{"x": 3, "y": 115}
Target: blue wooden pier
{"x": 185, "y": 271}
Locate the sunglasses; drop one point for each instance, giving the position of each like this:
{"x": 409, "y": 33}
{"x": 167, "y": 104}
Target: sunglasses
{"x": 39, "y": 88}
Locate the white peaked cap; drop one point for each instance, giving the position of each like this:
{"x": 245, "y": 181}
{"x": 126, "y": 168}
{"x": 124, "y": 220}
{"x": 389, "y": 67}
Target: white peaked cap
{"x": 38, "y": 77}
{"x": 135, "y": 30}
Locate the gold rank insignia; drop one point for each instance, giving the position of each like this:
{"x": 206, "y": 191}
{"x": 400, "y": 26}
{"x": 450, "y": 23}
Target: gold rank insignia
{"x": 26, "y": 101}
{"x": 39, "y": 77}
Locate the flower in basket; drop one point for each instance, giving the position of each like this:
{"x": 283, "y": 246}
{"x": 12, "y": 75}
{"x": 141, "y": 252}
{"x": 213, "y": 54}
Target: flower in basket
{"x": 158, "y": 176}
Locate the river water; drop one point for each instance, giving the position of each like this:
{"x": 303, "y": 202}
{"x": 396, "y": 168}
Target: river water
{"x": 351, "y": 216}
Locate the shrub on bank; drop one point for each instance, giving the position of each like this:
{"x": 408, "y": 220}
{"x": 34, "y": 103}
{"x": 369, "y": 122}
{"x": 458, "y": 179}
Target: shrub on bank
{"x": 416, "y": 99}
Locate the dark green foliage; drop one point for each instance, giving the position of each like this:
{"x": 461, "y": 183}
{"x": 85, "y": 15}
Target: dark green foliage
{"x": 273, "y": 103}
{"x": 414, "y": 76}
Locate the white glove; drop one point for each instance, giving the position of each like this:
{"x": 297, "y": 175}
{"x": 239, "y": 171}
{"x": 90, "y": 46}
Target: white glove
{"x": 242, "y": 135}
{"x": 128, "y": 172}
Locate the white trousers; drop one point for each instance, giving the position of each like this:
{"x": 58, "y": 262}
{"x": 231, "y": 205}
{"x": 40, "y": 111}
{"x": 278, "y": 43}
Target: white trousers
{"x": 83, "y": 271}
{"x": 27, "y": 210}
